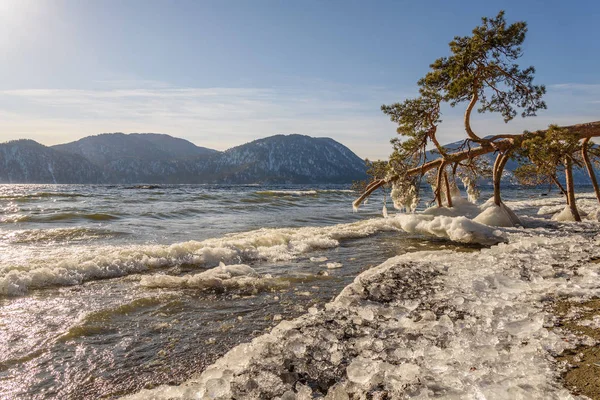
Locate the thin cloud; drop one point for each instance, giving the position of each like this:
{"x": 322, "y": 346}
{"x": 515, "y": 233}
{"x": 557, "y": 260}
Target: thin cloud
{"x": 223, "y": 117}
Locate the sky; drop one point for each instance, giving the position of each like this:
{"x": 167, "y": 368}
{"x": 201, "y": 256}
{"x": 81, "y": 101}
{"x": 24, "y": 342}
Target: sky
{"x": 223, "y": 73}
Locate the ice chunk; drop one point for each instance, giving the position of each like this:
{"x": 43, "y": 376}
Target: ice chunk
{"x": 218, "y": 389}
{"x": 363, "y": 371}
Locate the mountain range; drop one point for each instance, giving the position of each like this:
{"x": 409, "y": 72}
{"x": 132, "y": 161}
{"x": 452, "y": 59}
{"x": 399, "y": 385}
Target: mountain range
{"x": 120, "y": 158}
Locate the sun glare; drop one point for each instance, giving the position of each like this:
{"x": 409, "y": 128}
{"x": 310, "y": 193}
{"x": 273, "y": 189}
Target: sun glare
{"x": 19, "y": 20}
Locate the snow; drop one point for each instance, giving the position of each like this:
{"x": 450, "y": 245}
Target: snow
{"x": 592, "y": 323}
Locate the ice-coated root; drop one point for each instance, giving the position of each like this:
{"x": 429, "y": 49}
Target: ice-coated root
{"x": 422, "y": 325}
{"x": 500, "y": 216}
{"x": 566, "y": 215}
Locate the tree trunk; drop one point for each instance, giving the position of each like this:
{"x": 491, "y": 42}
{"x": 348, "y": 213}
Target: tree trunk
{"x": 590, "y": 169}
{"x": 571, "y": 188}
{"x": 499, "y": 165}
{"x": 467, "y": 117}
{"x": 438, "y": 185}
{"x": 448, "y": 194}
{"x": 560, "y": 187}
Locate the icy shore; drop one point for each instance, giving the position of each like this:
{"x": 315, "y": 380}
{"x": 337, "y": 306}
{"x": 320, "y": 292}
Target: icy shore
{"x": 423, "y": 325}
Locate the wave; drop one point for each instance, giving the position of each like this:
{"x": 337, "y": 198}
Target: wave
{"x": 60, "y": 235}
{"x": 95, "y": 322}
{"x": 59, "y": 217}
{"x": 147, "y": 187}
{"x": 239, "y": 278}
{"x": 40, "y": 195}
{"x": 287, "y": 193}
{"x": 62, "y": 266}
{"x": 300, "y": 193}
{"x": 181, "y": 212}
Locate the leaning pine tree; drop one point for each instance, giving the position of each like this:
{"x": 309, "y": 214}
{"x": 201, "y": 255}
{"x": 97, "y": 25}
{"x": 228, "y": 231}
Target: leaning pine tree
{"x": 482, "y": 73}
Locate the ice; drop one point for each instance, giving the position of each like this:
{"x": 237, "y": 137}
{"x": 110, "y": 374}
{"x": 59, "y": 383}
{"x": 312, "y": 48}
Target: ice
{"x": 564, "y": 216}
{"x": 470, "y": 184}
{"x": 458, "y": 229}
{"x": 405, "y": 197}
{"x": 592, "y": 323}
{"x": 318, "y": 259}
{"x": 460, "y": 207}
{"x": 334, "y": 265}
{"x": 500, "y": 216}
{"x": 364, "y": 371}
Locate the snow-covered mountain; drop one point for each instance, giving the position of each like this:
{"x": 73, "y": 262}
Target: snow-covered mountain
{"x": 27, "y": 161}
{"x": 287, "y": 159}
{"x": 107, "y": 148}
{"x": 155, "y": 158}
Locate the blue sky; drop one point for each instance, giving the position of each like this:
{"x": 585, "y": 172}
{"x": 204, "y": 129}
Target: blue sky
{"x": 222, "y": 73}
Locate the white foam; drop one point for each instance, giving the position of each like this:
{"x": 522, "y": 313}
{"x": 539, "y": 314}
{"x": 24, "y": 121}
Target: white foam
{"x": 288, "y": 192}
{"x": 228, "y": 278}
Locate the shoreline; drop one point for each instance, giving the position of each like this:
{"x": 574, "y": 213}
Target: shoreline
{"x": 455, "y": 325}
{"x": 581, "y": 365}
